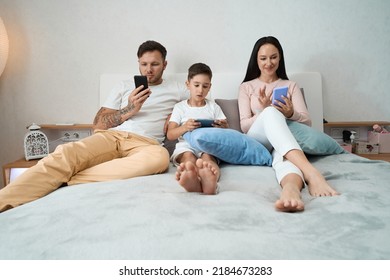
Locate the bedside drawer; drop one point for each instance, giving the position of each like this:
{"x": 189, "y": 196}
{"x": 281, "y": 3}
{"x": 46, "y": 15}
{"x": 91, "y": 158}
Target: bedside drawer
{"x": 13, "y": 169}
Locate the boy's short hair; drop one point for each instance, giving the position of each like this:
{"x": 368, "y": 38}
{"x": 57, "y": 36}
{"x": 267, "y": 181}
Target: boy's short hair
{"x": 199, "y": 68}
{"x": 150, "y": 46}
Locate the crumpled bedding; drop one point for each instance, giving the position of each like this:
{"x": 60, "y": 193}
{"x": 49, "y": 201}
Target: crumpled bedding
{"x": 152, "y": 217}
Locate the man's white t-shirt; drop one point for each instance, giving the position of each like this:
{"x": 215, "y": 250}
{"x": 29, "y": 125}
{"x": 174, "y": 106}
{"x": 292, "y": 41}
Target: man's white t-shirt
{"x": 150, "y": 120}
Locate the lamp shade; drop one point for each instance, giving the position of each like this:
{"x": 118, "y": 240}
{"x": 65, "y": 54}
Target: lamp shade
{"x": 3, "y": 46}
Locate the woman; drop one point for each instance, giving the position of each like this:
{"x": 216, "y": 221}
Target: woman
{"x": 266, "y": 122}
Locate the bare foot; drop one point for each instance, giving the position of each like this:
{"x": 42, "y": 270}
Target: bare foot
{"x": 208, "y": 176}
{"x": 290, "y": 199}
{"x": 187, "y": 176}
{"x": 318, "y": 185}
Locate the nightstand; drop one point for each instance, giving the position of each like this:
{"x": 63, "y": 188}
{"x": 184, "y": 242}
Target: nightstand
{"x": 57, "y": 134}
{"x": 13, "y": 169}
{"x": 385, "y": 157}
{"x": 334, "y": 129}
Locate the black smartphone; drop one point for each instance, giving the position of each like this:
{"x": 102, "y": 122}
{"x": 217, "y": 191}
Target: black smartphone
{"x": 141, "y": 80}
{"x": 205, "y": 122}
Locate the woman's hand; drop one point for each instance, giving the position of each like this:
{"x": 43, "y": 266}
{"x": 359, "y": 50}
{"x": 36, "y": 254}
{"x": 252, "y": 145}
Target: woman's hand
{"x": 286, "y": 109}
{"x": 264, "y": 100}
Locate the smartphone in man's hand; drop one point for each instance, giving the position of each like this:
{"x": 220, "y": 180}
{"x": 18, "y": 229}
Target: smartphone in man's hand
{"x": 141, "y": 80}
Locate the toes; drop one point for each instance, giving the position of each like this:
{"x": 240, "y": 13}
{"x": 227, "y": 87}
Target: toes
{"x": 289, "y": 206}
{"x": 189, "y": 166}
{"x": 199, "y": 163}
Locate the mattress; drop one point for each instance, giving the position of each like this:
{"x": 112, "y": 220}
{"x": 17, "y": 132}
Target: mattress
{"x": 152, "y": 217}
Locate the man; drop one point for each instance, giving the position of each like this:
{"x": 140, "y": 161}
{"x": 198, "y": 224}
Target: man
{"x": 129, "y": 130}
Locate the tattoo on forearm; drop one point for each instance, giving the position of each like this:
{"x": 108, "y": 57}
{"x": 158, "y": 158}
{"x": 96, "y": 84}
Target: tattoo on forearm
{"x": 127, "y": 109}
{"x": 109, "y": 120}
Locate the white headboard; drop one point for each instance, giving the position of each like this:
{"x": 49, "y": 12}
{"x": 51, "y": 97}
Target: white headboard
{"x": 225, "y": 85}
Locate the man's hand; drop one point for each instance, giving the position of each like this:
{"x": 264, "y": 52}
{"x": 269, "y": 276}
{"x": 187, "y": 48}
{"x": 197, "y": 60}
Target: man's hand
{"x": 166, "y": 124}
{"x": 137, "y": 98}
{"x": 107, "y": 118}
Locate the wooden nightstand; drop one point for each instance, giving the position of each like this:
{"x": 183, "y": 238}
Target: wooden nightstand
{"x": 385, "y": 157}
{"x": 56, "y": 135}
{"x": 364, "y": 126}
{"x": 11, "y": 169}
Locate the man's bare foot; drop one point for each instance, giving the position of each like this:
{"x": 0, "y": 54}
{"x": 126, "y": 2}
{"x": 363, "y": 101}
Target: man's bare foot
{"x": 188, "y": 178}
{"x": 208, "y": 176}
{"x": 318, "y": 185}
{"x": 290, "y": 199}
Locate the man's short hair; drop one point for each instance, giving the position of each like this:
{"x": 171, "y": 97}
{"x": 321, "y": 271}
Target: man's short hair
{"x": 150, "y": 46}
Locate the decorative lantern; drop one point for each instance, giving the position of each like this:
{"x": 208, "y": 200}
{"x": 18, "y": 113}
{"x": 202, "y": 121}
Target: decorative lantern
{"x": 36, "y": 144}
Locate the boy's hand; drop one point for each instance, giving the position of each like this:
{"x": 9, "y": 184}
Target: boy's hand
{"x": 191, "y": 124}
{"x": 221, "y": 124}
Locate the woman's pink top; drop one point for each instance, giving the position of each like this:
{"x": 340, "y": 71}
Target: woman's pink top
{"x": 250, "y": 107}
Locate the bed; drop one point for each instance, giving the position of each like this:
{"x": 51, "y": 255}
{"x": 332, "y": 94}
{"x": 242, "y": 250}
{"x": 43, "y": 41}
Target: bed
{"x": 152, "y": 217}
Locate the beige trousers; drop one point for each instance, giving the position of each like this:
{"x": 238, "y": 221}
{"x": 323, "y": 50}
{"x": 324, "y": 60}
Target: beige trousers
{"x": 105, "y": 155}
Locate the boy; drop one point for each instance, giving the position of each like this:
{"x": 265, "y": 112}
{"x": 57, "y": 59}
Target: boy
{"x": 196, "y": 171}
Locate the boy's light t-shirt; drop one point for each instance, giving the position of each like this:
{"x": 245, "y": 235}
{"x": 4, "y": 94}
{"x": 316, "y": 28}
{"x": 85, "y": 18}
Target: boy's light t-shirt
{"x": 182, "y": 112}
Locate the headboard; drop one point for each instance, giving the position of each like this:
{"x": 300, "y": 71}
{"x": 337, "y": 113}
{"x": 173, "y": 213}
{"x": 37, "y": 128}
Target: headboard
{"x": 225, "y": 86}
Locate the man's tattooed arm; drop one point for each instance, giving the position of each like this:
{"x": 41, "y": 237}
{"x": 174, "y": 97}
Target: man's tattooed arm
{"x": 108, "y": 118}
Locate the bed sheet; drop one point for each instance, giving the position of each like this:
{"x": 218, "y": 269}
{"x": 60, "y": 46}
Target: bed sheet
{"x": 152, "y": 217}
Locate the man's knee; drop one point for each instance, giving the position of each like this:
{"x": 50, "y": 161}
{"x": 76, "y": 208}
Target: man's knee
{"x": 158, "y": 158}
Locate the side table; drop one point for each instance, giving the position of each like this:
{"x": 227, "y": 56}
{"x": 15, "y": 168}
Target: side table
{"x": 12, "y": 169}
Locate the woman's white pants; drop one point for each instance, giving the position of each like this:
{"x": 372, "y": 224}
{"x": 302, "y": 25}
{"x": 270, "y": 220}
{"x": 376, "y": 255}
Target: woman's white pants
{"x": 270, "y": 129}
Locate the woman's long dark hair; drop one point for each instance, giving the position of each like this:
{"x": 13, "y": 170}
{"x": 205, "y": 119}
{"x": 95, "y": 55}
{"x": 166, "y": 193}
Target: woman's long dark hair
{"x": 253, "y": 70}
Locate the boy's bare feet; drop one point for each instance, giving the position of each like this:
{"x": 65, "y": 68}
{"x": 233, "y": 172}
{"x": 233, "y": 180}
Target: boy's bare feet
{"x": 290, "y": 199}
{"x": 208, "y": 176}
{"x": 199, "y": 177}
{"x": 188, "y": 178}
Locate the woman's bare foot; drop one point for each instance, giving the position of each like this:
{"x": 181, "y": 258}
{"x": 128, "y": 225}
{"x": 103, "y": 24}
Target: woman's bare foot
{"x": 318, "y": 185}
{"x": 208, "y": 176}
{"x": 314, "y": 179}
{"x": 290, "y": 199}
{"x": 188, "y": 178}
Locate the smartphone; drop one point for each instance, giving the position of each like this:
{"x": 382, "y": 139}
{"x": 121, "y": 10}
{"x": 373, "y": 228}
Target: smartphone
{"x": 141, "y": 80}
{"x": 205, "y": 122}
{"x": 278, "y": 93}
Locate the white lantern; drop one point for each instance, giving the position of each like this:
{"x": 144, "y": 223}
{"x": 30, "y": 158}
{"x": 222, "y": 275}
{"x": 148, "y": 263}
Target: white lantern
{"x": 36, "y": 144}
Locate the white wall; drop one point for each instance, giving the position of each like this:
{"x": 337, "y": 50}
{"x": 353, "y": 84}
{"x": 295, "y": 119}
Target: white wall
{"x": 58, "y": 49}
